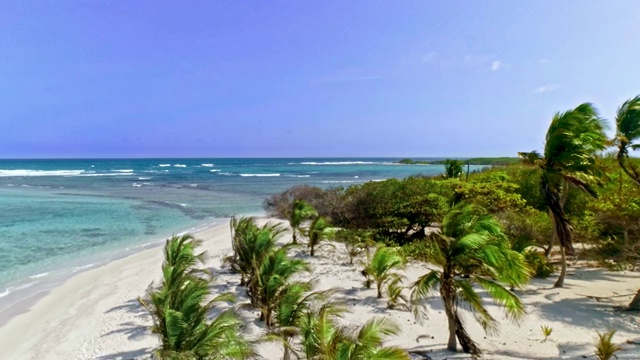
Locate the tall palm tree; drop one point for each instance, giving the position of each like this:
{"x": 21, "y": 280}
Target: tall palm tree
{"x": 319, "y": 231}
{"x": 323, "y": 339}
{"x": 530, "y": 158}
{"x": 452, "y": 168}
{"x": 180, "y": 313}
{"x": 573, "y": 139}
{"x": 471, "y": 249}
{"x": 627, "y": 134}
{"x": 382, "y": 265}
{"x": 299, "y": 213}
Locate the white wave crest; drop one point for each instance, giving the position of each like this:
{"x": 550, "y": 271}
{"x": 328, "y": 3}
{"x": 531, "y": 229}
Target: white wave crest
{"x": 338, "y": 181}
{"x": 214, "y": 170}
{"x": 338, "y": 163}
{"x": 164, "y": 165}
{"x": 23, "y": 173}
{"x": 261, "y": 175}
{"x": 38, "y": 275}
{"x": 297, "y": 176}
{"x": 144, "y": 178}
{"x": 226, "y": 173}
{"x": 180, "y": 165}
{"x": 123, "y": 171}
{"x": 207, "y": 165}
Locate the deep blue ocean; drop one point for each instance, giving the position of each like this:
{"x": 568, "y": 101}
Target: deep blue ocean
{"x": 62, "y": 216}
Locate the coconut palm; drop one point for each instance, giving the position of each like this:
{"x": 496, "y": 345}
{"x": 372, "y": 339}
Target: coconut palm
{"x": 627, "y": 134}
{"x": 573, "y": 139}
{"x": 299, "y": 213}
{"x": 180, "y": 313}
{"x": 318, "y": 231}
{"x": 271, "y": 281}
{"x": 382, "y": 265}
{"x": 530, "y": 158}
{"x": 250, "y": 245}
{"x": 471, "y": 250}
{"x": 394, "y": 289}
{"x": 289, "y": 313}
{"x": 452, "y": 168}
{"x": 323, "y": 339}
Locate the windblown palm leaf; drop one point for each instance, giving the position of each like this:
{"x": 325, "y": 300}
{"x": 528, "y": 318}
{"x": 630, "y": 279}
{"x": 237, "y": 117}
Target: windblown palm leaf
{"x": 179, "y": 310}
{"x": 471, "y": 250}
{"x": 299, "y": 213}
{"x": 318, "y": 231}
{"x": 382, "y": 265}
{"x": 573, "y": 139}
{"x": 627, "y": 133}
{"x": 452, "y": 168}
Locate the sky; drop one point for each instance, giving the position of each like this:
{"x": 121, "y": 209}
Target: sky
{"x": 305, "y": 78}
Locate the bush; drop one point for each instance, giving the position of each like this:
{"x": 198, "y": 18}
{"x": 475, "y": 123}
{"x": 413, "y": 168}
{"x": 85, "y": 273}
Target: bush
{"x": 538, "y": 263}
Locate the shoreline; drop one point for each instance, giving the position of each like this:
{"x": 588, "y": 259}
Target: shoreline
{"x": 27, "y": 291}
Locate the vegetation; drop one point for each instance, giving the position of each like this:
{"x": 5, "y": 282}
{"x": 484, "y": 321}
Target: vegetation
{"x": 627, "y": 133}
{"x": 318, "y": 232}
{"x": 491, "y": 161}
{"x": 546, "y": 332}
{"x": 412, "y": 162}
{"x": 381, "y": 267}
{"x": 322, "y": 338}
{"x": 573, "y": 139}
{"x": 471, "y": 249}
{"x": 180, "y": 312}
{"x": 452, "y": 169}
{"x": 605, "y": 348}
{"x": 300, "y": 212}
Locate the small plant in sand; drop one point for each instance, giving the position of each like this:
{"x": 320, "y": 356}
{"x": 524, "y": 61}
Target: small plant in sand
{"x": 381, "y": 268}
{"x": 396, "y": 298}
{"x": 471, "y": 250}
{"x": 300, "y": 212}
{"x": 353, "y": 242}
{"x": 318, "y": 232}
{"x": 323, "y": 338}
{"x": 546, "y": 332}
{"x": 605, "y": 348}
{"x": 180, "y": 309}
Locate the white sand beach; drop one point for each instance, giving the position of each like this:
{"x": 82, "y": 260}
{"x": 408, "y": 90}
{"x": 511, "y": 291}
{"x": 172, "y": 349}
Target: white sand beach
{"x": 96, "y": 315}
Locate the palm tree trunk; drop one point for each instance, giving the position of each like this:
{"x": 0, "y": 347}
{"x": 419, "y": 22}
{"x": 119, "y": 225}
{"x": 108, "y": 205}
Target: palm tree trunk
{"x": 287, "y": 352}
{"x": 635, "y": 303}
{"x": 379, "y": 287}
{"x": 295, "y": 237}
{"x": 563, "y": 272}
{"x": 448, "y": 299}
{"x": 635, "y": 176}
{"x": 312, "y": 252}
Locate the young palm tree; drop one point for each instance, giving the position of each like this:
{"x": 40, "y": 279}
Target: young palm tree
{"x": 250, "y": 245}
{"x": 452, "y": 169}
{"x": 268, "y": 287}
{"x": 179, "y": 311}
{"x": 299, "y": 213}
{"x": 571, "y": 143}
{"x": 295, "y": 302}
{"x": 318, "y": 231}
{"x": 627, "y": 133}
{"x": 382, "y": 265}
{"x": 471, "y": 250}
{"x": 323, "y": 339}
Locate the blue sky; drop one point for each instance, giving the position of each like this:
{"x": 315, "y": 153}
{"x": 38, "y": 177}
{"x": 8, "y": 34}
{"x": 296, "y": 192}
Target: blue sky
{"x": 305, "y": 78}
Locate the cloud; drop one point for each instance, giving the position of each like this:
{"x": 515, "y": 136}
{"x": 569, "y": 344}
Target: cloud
{"x": 496, "y": 65}
{"x": 546, "y": 88}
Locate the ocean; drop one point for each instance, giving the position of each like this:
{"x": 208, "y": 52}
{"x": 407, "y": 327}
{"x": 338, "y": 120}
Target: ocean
{"x": 59, "y": 217}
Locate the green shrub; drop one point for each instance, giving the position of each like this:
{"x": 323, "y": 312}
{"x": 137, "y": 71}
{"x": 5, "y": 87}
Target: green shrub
{"x": 538, "y": 263}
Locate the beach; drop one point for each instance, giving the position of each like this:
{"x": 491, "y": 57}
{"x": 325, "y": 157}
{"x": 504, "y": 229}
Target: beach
{"x": 96, "y": 315}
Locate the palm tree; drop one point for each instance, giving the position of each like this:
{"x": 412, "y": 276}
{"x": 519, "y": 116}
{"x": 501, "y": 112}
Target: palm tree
{"x": 627, "y": 133}
{"x": 180, "y": 313}
{"x": 571, "y": 143}
{"x": 452, "y": 168}
{"x": 382, "y": 265}
{"x": 250, "y": 245}
{"x": 471, "y": 250}
{"x": 295, "y": 302}
{"x": 318, "y": 231}
{"x": 271, "y": 282}
{"x": 323, "y": 339}
{"x": 530, "y": 158}
{"x": 299, "y": 213}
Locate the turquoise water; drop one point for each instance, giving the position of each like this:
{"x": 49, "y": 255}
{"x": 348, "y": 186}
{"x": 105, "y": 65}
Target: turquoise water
{"x": 67, "y": 215}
